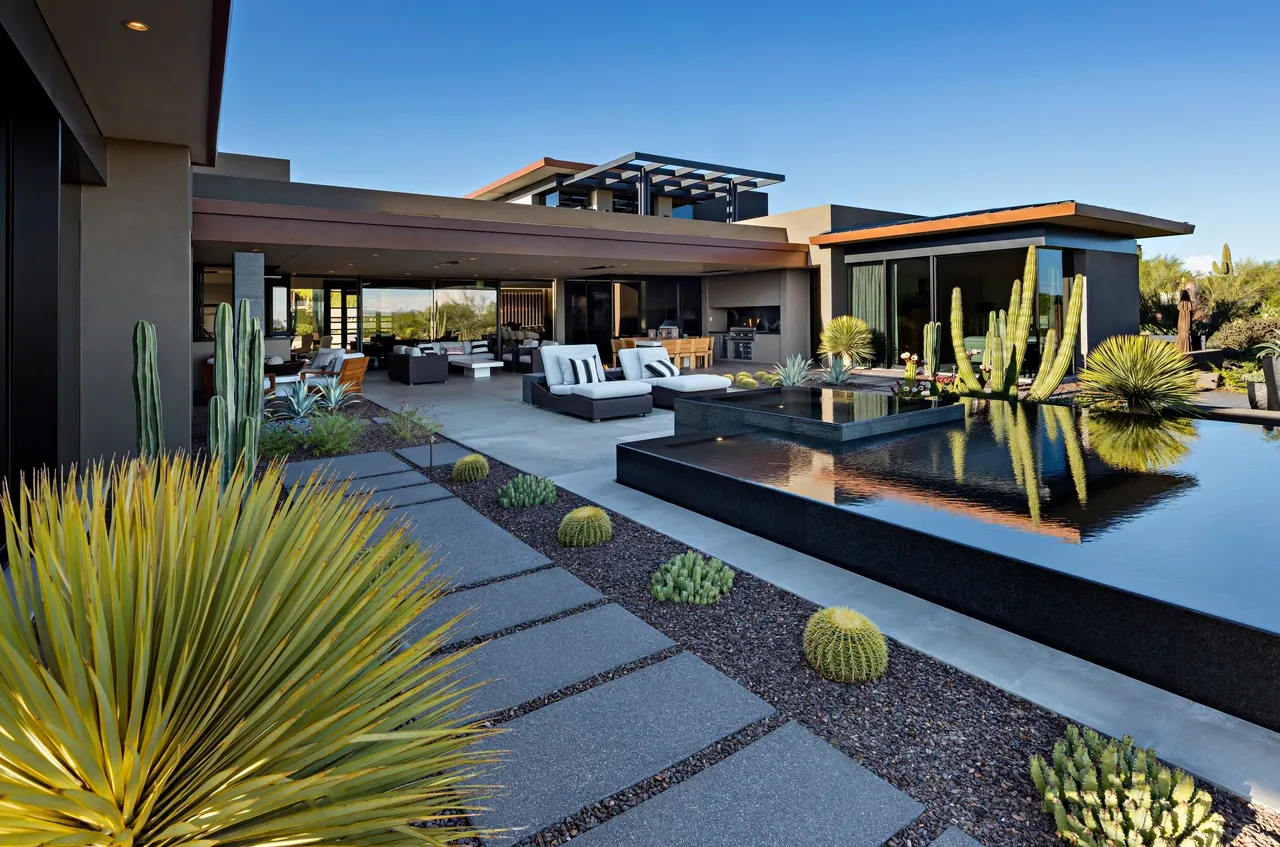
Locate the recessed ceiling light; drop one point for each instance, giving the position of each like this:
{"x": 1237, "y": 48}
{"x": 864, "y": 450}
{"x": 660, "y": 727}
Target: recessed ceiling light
{"x": 351, "y": 264}
{"x": 472, "y": 259}
{"x": 136, "y": 26}
{"x": 373, "y": 254}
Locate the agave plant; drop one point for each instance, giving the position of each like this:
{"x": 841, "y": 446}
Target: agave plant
{"x": 1135, "y": 373}
{"x": 1138, "y": 442}
{"x": 838, "y": 373}
{"x": 847, "y": 338}
{"x": 796, "y": 370}
{"x": 333, "y": 393}
{"x": 294, "y": 402}
{"x": 188, "y": 664}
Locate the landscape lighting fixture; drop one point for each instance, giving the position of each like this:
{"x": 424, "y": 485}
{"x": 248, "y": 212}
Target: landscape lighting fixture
{"x": 136, "y": 26}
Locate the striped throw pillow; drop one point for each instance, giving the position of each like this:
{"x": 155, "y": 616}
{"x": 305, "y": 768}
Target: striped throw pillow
{"x": 479, "y": 347}
{"x": 661, "y": 367}
{"x": 584, "y": 371}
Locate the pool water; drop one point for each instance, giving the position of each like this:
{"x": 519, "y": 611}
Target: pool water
{"x": 827, "y": 405}
{"x": 1180, "y": 510}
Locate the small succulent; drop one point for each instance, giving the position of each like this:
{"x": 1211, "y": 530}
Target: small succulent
{"x": 796, "y": 370}
{"x": 585, "y": 526}
{"x": 747, "y": 383}
{"x": 292, "y": 403}
{"x": 839, "y": 373}
{"x": 1105, "y": 792}
{"x": 844, "y": 646}
{"x": 331, "y": 393}
{"x": 527, "y": 491}
{"x": 690, "y": 578}
{"x": 471, "y": 468}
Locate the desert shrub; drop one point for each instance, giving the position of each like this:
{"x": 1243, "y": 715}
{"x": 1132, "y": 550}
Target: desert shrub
{"x": 332, "y": 393}
{"x": 747, "y": 383}
{"x": 849, "y": 338}
{"x": 844, "y": 646}
{"x": 690, "y": 578}
{"x": 279, "y": 440}
{"x": 1135, "y": 373}
{"x": 188, "y": 664}
{"x": 527, "y": 491}
{"x": 585, "y": 526}
{"x": 333, "y": 433}
{"x": 412, "y": 424}
{"x": 294, "y": 402}
{"x": 1243, "y": 334}
{"x": 1111, "y": 793}
{"x": 471, "y": 468}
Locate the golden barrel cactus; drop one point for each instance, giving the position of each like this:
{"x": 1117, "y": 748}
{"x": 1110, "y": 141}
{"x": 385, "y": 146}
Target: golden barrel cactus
{"x": 844, "y": 646}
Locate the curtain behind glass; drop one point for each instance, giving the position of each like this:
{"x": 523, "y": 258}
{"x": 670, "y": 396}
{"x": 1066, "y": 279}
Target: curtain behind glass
{"x": 866, "y": 301}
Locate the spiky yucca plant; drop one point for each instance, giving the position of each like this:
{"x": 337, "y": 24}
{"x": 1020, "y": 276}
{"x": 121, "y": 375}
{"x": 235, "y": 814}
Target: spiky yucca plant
{"x": 187, "y": 663}
{"x": 796, "y": 370}
{"x": 1138, "y": 442}
{"x": 849, "y": 338}
{"x": 471, "y": 468}
{"x": 585, "y": 526}
{"x": 1135, "y": 373}
{"x": 527, "y": 491}
{"x": 844, "y": 646}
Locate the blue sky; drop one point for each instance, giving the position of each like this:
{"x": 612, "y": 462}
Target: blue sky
{"x": 1165, "y": 108}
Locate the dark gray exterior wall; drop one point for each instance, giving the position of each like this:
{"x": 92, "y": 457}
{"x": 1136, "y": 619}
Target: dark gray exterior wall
{"x": 1111, "y": 295}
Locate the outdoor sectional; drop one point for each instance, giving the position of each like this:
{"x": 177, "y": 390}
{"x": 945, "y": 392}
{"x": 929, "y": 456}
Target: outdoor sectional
{"x": 594, "y": 401}
{"x": 412, "y": 368}
{"x": 667, "y": 388}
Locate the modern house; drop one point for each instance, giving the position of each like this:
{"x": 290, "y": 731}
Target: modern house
{"x": 120, "y": 208}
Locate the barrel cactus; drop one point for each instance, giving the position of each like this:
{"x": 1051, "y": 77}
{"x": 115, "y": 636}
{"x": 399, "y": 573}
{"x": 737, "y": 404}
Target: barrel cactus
{"x": 1105, "y": 792}
{"x": 146, "y": 392}
{"x": 690, "y": 578}
{"x": 471, "y": 468}
{"x": 742, "y": 375}
{"x": 844, "y": 646}
{"x": 747, "y": 383}
{"x": 235, "y": 410}
{"x": 526, "y": 491}
{"x": 585, "y": 526}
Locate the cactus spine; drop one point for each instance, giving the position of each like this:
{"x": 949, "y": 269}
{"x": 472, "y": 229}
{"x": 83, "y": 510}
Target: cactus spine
{"x": 932, "y": 348}
{"x": 844, "y": 646}
{"x": 146, "y": 392}
{"x": 235, "y": 411}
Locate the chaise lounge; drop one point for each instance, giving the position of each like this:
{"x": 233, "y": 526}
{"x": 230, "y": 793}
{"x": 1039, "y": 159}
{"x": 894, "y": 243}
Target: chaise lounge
{"x": 573, "y": 381}
{"x": 636, "y": 363}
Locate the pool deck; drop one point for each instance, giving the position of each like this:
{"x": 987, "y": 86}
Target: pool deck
{"x": 488, "y": 416}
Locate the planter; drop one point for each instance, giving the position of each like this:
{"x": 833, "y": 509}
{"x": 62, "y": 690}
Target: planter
{"x": 1257, "y": 392}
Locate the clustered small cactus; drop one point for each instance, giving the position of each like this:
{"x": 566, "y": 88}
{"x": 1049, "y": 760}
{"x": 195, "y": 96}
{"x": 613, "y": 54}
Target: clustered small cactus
{"x": 471, "y": 468}
{"x": 1105, "y": 793}
{"x": 690, "y": 578}
{"x": 527, "y": 491}
{"x": 747, "y": 383}
{"x": 585, "y": 526}
{"x": 844, "y": 646}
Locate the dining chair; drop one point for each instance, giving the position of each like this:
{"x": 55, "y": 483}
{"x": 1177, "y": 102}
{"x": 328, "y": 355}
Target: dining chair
{"x": 685, "y": 348}
{"x": 616, "y": 344}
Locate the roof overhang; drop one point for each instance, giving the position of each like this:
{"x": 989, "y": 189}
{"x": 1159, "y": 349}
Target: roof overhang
{"x": 1067, "y": 214}
{"x": 670, "y": 177}
{"x": 302, "y": 239}
{"x": 530, "y": 174}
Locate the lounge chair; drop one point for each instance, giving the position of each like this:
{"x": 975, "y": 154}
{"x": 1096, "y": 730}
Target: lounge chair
{"x": 667, "y": 388}
{"x": 556, "y": 390}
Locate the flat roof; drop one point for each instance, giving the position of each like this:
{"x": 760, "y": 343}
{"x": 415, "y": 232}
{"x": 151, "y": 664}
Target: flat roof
{"x": 528, "y": 175}
{"x": 672, "y": 177}
{"x": 1067, "y": 213}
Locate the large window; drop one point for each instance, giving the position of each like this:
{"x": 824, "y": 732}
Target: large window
{"x": 216, "y": 286}
{"x": 985, "y": 281}
{"x": 406, "y": 313}
{"x": 909, "y": 281}
{"x": 469, "y": 309}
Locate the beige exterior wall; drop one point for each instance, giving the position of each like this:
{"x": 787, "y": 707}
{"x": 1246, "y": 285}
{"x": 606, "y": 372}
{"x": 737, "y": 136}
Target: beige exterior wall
{"x": 135, "y": 260}
{"x": 252, "y": 167}
{"x": 787, "y": 289}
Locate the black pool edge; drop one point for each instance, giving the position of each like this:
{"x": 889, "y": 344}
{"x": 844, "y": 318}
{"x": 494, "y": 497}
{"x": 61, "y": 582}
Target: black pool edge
{"x": 1228, "y": 666}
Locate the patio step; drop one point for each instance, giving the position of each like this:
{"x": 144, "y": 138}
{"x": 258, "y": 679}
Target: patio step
{"x": 954, "y": 836}
{"x": 788, "y": 787}
{"x": 356, "y": 466}
{"x": 386, "y": 482}
{"x": 588, "y": 747}
{"x": 505, "y": 604}
{"x": 433, "y": 455}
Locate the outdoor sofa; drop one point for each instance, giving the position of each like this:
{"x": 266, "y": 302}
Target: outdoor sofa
{"x": 667, "y": 388}
{"x": 523, "y": 358}
{"x": 555, "y": 388}
{"x": 412, "y": 366}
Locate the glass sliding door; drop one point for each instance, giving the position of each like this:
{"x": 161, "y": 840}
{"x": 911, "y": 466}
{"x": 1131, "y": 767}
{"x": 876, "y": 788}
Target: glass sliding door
{"x": 911, "y": 308}
{"x": 470, "y": 309}
{"x": 867, "y": 301}
{"x": 1053, "y": 289}
{"x": 985, "y": 281}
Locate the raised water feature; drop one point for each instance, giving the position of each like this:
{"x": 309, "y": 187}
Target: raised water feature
{"x": 1143, "y": 545}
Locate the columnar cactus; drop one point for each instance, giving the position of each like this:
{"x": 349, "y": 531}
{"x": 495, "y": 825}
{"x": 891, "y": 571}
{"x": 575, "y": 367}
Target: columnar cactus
{"x": 526, "y": 491}
{"x": 471, "y": 468}
{"x": 932, "y": 348}
{"x": 585, "y": 526}
{"x": 235, "y": 411}
{"x": 1057, "y": 356}
{"x": 690, "y": 578}
{"x": 844, "y": 646}
{"x": 1108, "y": 792}
{"x": 146, "y": 392}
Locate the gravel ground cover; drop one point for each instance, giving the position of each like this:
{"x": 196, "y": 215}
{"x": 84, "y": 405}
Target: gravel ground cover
{"x": 955, "y": 743}
{"x": 372, "y": 438}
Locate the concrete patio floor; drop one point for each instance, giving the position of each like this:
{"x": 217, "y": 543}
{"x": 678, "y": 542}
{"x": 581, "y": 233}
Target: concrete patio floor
{"x": 488, "y": 416}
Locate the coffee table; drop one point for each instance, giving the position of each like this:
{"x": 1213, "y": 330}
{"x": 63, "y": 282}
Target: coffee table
{"x": 476, "y": 370}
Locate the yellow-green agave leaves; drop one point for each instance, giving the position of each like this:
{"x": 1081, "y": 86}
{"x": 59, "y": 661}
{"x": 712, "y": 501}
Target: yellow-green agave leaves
{"x": 190, "y": 665}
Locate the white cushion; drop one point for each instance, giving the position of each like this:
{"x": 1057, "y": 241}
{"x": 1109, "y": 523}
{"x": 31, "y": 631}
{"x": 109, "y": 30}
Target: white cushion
{"x": 452, "y": 348}
{"x": 609, "y": 390}
{"x": 633, "y": 360}
{"x": 524, "y": 358}
{"x": 529, "y": 342}
{"x": 561, "y": 389}
{"x": 548, "y": 344}
{"x": 554, "y": 357}
{"x": 429, "y": 347}
{"x": 328, "y": 360}
{"x": 692, "y": 382}
{"x": 506, "y": 357}
{"x": 414, "y": 351}
{"x": 661, "y": 369}
{"x": 583, "y": 370}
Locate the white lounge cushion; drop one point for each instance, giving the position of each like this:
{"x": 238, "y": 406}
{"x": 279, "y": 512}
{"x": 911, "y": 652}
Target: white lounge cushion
{"x": 525, "y": 358}
{"x": 633, "y": 360}
{"x": 693, "y": 382}
{"x": 560, "y": 390}
{"x": 506, "y": 357}
{"x": 328, "y": 360}
{"x": 529, "y": 342}
{"x": 610, "y": 390}
{"x": 554, "y": 358}
{"x": 429, "y": 347}
{"x": 414, "y": 351}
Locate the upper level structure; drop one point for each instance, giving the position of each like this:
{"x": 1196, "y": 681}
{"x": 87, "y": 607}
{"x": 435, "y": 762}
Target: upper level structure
{"x": 639, "y": 184}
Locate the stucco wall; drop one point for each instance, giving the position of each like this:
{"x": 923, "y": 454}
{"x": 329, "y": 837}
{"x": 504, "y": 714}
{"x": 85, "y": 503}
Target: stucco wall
{"x": 135, "y": 264}
{"x": 253, "y": 167}
{"x": 1111, "y": 295}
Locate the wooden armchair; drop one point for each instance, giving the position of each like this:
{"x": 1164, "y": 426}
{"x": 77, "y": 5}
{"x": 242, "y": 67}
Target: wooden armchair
{"x": 350, "y": 375}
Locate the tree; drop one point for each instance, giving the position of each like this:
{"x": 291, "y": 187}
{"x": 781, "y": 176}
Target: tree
{"x": 1160, "y": 278}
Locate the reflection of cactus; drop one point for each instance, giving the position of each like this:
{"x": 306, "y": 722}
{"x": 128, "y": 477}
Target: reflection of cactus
{"x": 1112, "y": 792}
{"x": 1139, "y": 443}
{"x": 235, "y": 410}
{"x": 1013, "y": 422}
{"x": 146, "y": 392}
{"x": 585, "y": 526}
{"x": 1061, "y": 417}
{"x": 957, "y": 441}
{"x": 690, "y": 578}
{"x": 472, "y": 468}
{"x": 843, "y": 646}
{"x": 932, "y": 348}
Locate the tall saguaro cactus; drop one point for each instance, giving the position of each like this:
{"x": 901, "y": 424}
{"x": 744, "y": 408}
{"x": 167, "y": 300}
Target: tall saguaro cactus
{"x": 146, "y": 392}
{"x": 235, "y": 411}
